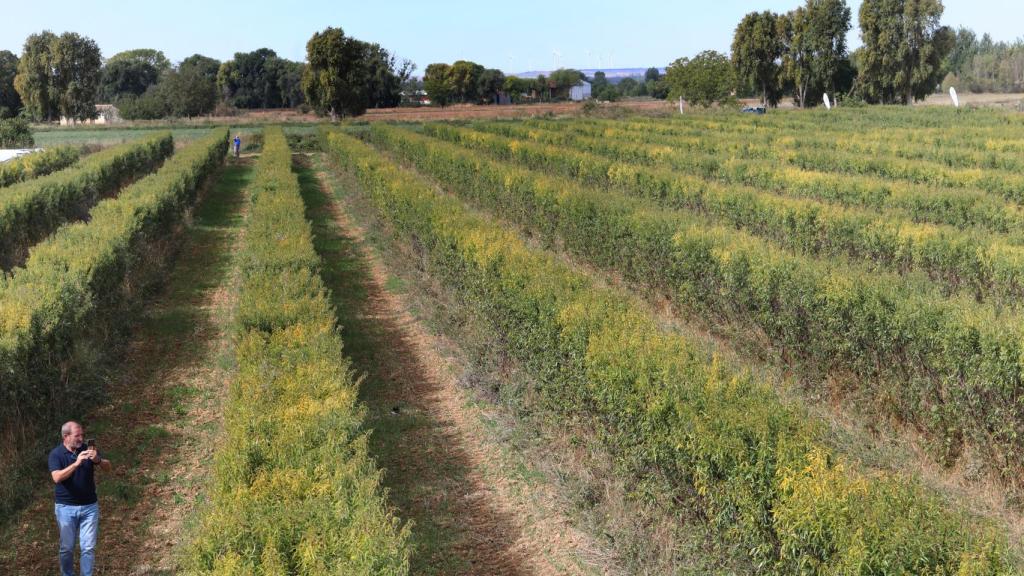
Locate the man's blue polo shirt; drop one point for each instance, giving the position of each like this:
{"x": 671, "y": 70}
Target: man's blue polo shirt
{"x": 79, "y": 489}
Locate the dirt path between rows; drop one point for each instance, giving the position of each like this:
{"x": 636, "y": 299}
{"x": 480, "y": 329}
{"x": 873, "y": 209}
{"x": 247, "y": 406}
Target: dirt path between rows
{"x": 463, "y": 522}
{"x": 161, "y": 414}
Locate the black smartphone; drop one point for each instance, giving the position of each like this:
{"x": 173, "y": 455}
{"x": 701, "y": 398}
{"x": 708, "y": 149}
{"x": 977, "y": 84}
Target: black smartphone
{"x": 90, "y": 443}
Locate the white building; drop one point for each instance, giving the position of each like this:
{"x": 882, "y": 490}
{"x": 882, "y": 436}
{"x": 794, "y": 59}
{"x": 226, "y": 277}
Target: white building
{"x": 581, "y": 92}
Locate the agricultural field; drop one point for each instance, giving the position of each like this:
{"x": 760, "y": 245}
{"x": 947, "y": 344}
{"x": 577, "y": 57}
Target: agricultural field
{"x": 661, "y": 344}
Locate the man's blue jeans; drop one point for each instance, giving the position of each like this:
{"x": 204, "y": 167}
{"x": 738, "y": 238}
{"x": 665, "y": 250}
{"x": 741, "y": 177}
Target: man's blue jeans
{"x": 82, "y": 522}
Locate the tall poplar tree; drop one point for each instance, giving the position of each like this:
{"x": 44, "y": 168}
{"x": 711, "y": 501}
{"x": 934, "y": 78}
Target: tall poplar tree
{"x": 59, "y": 75}
{"x": 757, "y": 54}
{"x": 904, "y": 47}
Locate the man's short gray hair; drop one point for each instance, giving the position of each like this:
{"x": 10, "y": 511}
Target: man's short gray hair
{"x": 68, "y": 426}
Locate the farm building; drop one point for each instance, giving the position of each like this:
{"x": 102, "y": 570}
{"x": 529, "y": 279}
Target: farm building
{"x": 105, "y": 114}
{"x": 581, "y": 92}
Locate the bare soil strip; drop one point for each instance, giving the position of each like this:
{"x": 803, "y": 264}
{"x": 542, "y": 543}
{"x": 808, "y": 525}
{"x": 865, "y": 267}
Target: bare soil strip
{"x": 440, "y": 472}
{"x": 162, "y": 414}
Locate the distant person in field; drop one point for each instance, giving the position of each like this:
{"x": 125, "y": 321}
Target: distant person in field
{"x": 238, "y": 144}
{"x": 72, "y": 464}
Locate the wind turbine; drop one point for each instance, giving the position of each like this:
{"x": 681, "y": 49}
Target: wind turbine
{"x": 555, "y": 55}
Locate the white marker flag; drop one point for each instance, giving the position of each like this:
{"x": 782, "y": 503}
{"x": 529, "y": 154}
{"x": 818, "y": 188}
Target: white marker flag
{"x": 952, "y": 94}
{"x": 828, "y": 103}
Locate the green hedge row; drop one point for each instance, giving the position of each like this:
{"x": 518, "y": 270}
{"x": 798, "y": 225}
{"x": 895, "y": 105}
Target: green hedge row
{"x": 1008, "y": 184}
{"x": 31, "y": 210}
{"x": 753, "y": 465}
{"x": 951, "y": 366}
{"x": 976, "y": 130}
{"x": 986, "y": 265}
{"x": 293, "y": 491}
{"x": 37, "y": 164}
{"x": 982, "y": 148}
{"x": 915, "y": 202}
{"x": 65, "y": 312}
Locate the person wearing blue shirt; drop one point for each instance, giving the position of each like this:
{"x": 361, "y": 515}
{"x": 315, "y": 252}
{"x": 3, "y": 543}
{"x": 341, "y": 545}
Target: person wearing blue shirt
{"x": 77, "y": 509}
{"x": 237, "y": 144}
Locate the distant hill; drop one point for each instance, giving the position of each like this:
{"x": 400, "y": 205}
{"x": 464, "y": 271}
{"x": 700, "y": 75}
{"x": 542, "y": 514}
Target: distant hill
{"x": 614, "y": 75}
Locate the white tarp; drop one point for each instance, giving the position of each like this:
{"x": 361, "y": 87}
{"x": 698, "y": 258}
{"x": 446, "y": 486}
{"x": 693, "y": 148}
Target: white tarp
{"x": 6, "y": 155}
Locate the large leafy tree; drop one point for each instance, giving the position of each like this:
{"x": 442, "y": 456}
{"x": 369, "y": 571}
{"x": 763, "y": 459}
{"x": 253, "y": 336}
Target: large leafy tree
{"x": 246, "y": 80}
{"x": 59, "y": 75}
{"x": 828, "y": 23}
{"x": 149, "y": 56}
{"x": 757, "y": 54}
{"x": 904, "y": 47}
{"x": 345, "y": 76}
{"x": 285, "y": 82}
{"x": 814, "y": 48}
{"x": 437, "y": 82}
{"x": 965, "y": 47}
{"x": 386, "y": 77}
{"x": 10, "y": 102}
{"x": 34, "y": 80}
{"x": 797, "y": 54}
{"x": 490, "y": 83}
{"x": 465, "y": 78}
{"x": 131, "y": 72}
{"x": 704, "y": 80}
{"x": 76, "y": 64}
{"x": 181, "y": 93}
{"x": 203, "y": 65}
{"x": 337, "y": 75}
{"x": 187, "y": 92}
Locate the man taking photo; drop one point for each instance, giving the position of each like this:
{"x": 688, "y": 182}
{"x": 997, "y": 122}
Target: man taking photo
{"x": 72, "y": 464}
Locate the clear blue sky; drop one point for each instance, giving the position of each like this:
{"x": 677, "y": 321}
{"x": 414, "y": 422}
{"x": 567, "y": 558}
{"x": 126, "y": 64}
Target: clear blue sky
{"x": 513, "y": 35}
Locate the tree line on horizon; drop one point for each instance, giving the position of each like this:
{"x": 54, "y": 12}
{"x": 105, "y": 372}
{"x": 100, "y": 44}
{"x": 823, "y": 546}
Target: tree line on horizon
{"x": 906, "y": 54}
{"x": 65, "y": 76}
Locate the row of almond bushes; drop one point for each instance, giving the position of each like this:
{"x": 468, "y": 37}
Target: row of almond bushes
{"x": 64, "y": 314}
{"x": 917, "y": 202}
{"x": 1008, "y": 184}
{"x": 751, "y": 464}
{"x": 977, "y": 130}
{"x": 985, "y": 264}
{"x": 31, "y": 210}
{"x": 293, "y": 491}
{"x": 37, "y": 164}
{"x": 950, "y": 366}
{"x": 995, "y": 148}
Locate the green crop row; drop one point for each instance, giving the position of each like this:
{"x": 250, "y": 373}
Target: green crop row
{"x": 982, "y": 263}
{"x": 947, "y": 126}
{"x": 774, "y": 146}
{"x": 951, "y": 366}
{"x": 65, "y": 312}
{"x": 31, "y": 210}
{"x": 962, "y": 207}
{"x": 37, "y": 164}
{"x": 957, "y": 146}
{"x": 293, "y": 490}
{"x": 751, "y": 464}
